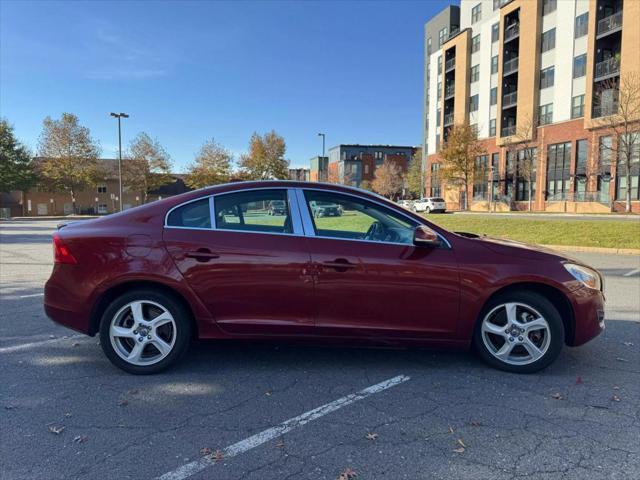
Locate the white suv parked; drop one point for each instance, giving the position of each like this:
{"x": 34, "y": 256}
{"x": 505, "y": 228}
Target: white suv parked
{"x": 429, "y": 204}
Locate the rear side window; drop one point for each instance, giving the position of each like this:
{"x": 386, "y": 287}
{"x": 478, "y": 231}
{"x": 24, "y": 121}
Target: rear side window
{"x": 254, "y": 211}
{"x": 192, "y": 215}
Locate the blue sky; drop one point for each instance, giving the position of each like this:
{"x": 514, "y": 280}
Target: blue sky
{"x": 190, "y": 71}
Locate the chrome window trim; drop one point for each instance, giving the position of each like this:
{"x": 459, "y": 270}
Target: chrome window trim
{"x": 212, "y": 212}
{"x": 413, "y": 220}
{"x": 199, "y": 199}
{"x": 294, "y": 211}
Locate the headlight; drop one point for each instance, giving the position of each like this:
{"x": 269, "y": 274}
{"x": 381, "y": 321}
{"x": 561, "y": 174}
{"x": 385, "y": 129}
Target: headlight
{"x": 584, "y": 275}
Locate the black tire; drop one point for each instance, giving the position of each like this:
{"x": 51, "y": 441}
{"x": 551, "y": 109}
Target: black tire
{"x": 427, "y": 210}
{"x": 183, "y": 330}
{"x": 545, "y": 308}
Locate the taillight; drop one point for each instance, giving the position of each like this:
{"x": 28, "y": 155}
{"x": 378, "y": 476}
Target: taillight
{"x": 61, "y": 253}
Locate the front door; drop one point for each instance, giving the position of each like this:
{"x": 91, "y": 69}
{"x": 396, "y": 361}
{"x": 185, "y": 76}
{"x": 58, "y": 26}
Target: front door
{"x": 371, "y": 280}
{"x": 248, "y": 266}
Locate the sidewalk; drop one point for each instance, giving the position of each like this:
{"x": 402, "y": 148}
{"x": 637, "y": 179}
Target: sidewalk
{"x": 558, "y": 216}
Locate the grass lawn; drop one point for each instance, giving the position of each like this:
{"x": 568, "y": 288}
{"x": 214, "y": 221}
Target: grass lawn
{"x": 584, "y": 233}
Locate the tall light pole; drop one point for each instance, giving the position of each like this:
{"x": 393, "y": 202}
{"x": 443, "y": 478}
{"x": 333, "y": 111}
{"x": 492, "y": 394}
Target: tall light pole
{"x": 119, "y": 116}
{"x": 323, "y": 137}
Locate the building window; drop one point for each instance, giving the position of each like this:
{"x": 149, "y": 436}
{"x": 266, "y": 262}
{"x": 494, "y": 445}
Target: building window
{"x": 604, "y": 168}
{"x": 473, "y": 103}
{"x": 548, "y": 40}
{"x": 549, "y": 6}
{"x": 558, "y": 170}
{"x": 494, "y": 64}
{"x": 102, "y": 208}
{"x": 582, "y": 25}
{"x": 480, "y": 178}
{"x": 442, "y": 36}
{"x": 435, "y": 181}
{"x": 545, "y": 116}
{"x": 493, "y": 96}
{"x": 476, "y": 13}
{"x": 494, "y": 173}
{"x": 577, "y": 106}
{"x": 475, "y": 73}
{"x": 546, "y": 77}
{"x": 525, "y": 173}
{"x": 492, "y": 127}
{"x": 580, "y": 177}
{"x": 634, "y": 163}
{"x": 475, "y": 44}
{"x": 428, "y": 46}
{"x": 474, "y": 128}
{"x": 102, "y": 188}
{"x": 440, "y": 65}
{"x": 580, "y": 66}
{"x": 438, "y": 117}
{"x": 439, "y": 91}
{"x": 495, "y": 32}
{"x": 496, "y": 4}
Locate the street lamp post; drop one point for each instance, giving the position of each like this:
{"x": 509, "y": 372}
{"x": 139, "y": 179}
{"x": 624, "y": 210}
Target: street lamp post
{"x": 119, "y": 116}
{"x": 323, "y": 138}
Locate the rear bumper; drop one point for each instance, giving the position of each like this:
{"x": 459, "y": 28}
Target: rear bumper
{"x": 64, "y": 301}
{"x": 588, "y": 309}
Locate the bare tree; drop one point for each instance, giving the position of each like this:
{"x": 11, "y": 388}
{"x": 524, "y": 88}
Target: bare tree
{"x": 458, "y": 158}
{"x": 388, "y": 180}
{"x": 522, "y": 147}
{"x": 147, "y": 167}
{"x": 211, "y": 166}
{"x": 70, "y": 155}
{"x": 618, "y": 104}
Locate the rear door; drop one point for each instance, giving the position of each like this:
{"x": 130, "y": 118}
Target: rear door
{"x": 248, "y": 266}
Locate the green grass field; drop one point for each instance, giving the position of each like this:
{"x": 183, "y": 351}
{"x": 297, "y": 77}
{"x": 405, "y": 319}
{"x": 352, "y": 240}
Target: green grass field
{"x": 584, "y": 233}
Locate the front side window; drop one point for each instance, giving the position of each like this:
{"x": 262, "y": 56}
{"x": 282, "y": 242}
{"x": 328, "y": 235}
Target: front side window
{"x": 352, "y": 218}
{"x": 191, "y": 215}
{"x": 264, "y": 211}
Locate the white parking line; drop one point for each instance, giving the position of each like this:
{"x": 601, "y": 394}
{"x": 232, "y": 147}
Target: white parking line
{"x": 32, "y": 295}
{"x": 26, "y": 346}
{"x": 631, "y": 272}
{"x": 258, "y": 439}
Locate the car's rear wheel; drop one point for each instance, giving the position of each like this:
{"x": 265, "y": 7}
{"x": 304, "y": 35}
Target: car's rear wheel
{"x": 144, "y": 332}
{"x": 519, "y": 332}
{"x": 427, "y": 210}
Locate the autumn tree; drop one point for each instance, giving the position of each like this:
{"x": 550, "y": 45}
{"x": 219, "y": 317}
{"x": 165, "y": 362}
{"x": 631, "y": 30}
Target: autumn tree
{"x": 522, "y": 148}
{"x": 414, "y": 175}
{"x": 621, "y": 119}
{"x": 70, "y": 155}
{"x": 147, "y": 166}
{"x": 458, "y": 155}
{"x": 388, "y": 179}
{"x": 212, "y": 166}
{"x": 265, "y": 158}
{"x": 16, "y": 169}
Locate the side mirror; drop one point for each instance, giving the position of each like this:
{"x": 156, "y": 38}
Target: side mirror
{"x": 423, "y": 236}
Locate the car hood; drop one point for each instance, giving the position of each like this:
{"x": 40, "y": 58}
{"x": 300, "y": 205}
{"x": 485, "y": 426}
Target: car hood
{"x": 514, "y": 248}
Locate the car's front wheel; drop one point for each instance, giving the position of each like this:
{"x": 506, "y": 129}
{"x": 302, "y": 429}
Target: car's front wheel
{"x": 145, "y": 332}
{"x": 519, "y": 332}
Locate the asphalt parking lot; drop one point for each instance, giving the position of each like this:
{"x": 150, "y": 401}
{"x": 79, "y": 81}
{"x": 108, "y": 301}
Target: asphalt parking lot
{"x": 67, "y": 413}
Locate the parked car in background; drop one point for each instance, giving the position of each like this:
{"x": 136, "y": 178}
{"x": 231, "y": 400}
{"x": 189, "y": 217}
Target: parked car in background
{"x": 209, "y": 264}
{"x": 325, "y": 209}
{"x": 277, "y": 207}
{"x": 429, "y": 205}
{"x": 406, "y": 204}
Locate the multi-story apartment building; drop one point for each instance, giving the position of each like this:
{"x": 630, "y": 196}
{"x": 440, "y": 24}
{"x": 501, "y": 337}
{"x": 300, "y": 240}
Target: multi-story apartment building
{"x": 299, "y": 174}
{"x": 355, "y": 164}
{"x": 319, "y": 169}
{"x": 541, "y": 72}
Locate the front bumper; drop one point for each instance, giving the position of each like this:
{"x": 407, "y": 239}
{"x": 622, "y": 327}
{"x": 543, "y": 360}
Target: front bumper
{"x": 589, "y": 313}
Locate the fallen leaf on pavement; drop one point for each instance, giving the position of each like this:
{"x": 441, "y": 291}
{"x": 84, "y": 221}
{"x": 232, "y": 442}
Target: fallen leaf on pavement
{"x": 475, "y": 423}
{"x": 205, "y": 451}
{"x": 628, "y": 344}
{"x": 461, "y": 443}
{"x": 620, "y": 359}
{"x": 217, "y": 456}
{"x": 372, "y": 436}
{"x": 450, "y": 429}
{"x": 56, "y": 429}
{"x": 80, "y": 439}
{"x": 578, "y": 380}
{"x": 615, "y": 398}
{"x": 280, "y": 444}
{"x": 459, "y": 450}
{"x": 268, "y": 393}
{"x": 347, "y": 474}
{"x": 557, "y": 396}
{"x": 123, "y": 403}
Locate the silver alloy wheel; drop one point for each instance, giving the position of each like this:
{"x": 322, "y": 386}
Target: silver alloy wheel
{"x": 516, "y": 333}
{"x": 142, "y": 332}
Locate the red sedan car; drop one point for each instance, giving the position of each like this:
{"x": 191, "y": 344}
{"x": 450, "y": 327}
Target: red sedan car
{"x": 215, "y": 264}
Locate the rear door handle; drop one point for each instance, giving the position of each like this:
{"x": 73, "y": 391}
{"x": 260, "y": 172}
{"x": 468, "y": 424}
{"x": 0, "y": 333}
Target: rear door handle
{"x": 339, "y": 264}
{"x": 202, "y": 255}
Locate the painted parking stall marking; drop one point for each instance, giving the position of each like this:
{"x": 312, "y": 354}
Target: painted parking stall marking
{"x": 631, "y": 273}
{"x": 27, "y": 346}
{"x": 258, "y": 439}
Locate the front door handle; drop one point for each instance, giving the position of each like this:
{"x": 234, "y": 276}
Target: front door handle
{"x": 339, "y": 264}
{"x": 202, "y": 255}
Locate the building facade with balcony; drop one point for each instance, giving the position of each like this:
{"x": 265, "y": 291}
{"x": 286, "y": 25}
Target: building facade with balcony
{"x": 540, "y": 73}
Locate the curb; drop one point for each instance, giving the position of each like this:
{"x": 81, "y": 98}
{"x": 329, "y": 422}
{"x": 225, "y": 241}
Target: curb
{"x": 614, "y": 251}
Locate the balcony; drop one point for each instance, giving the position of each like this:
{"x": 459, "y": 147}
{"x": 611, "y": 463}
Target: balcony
{"x": 604, "y": 110}
{"x": 511, "y": 32}
{"x": 509, "y": 100}
{"x": 449, "y": 92}
{"x": 607, "y": 68}
{"x": 450, "y": 64}
{"x": 508, "y": 131}
{"x": 448, "y": 119}
{"x": 510, "y": 66}
{"x": 609, "y": 24}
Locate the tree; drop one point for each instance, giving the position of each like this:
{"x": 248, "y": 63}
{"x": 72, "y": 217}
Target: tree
{"x": 388, "y": 180}
{"x": 212, "y": 166}
{"x": 147, "y": 167}
{"x": 70, "y": 155}
{"x": 16, "y": 168}
{"x": 414, "y": 175}
{"x": 366, "y": 185}
{"x": 621, "y": 119}
{"x": 265, "y": 158}
{"x": 522, "y": 147}
{"x": 458, "y": 155}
